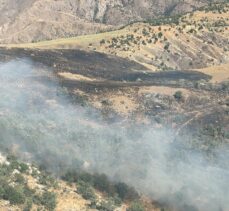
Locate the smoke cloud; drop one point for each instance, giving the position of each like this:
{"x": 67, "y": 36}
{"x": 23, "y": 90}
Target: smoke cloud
{"x": 39, "y": 122}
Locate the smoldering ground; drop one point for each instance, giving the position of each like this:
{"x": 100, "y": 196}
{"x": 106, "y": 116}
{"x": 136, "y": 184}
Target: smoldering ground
{"x": 39, "y": 123}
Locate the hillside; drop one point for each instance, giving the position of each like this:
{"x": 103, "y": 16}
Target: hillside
{"x": 47, "y": 117}
{"x": 162, "y": 43}
{"x": 36, "y": 20}
{"x": 134, "y": 118}
{"x": 27, "y": 187}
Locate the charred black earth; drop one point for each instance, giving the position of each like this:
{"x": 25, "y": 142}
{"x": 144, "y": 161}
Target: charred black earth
{"x": 205, "y": 107}
{"x": 110, "y": 70}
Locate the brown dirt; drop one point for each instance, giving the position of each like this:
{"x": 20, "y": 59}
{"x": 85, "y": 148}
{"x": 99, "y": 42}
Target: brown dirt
{"x": 219, "y": 73}
{"x": 76, "y": 77}
{"x": 68, "y": 199}
{"x": 163, "y": 90}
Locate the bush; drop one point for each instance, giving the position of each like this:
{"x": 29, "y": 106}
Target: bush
{"x": 20, "y": 193}
{"x": 102, "y": 42}
{"x": 70, "y": 176}
{"x": 145, "y": 32}
{"x": 48, "y": 200}
{"x": 106, "y": 206}
{"x": 102, "y": 183}
{"x": 23, "y": 167}
{"x": 125, "y": 192}
{"x": 160, "y": 35}
{"x": 178, "y": 95}
{"x": 28, "y": 205}
{"x": 166, "y": 47}
{"x": 14, "y": 164}
{"x": 19, "y": 178}
{"x": 227, "y": 102}
{"x": 164, "y": 20}
{"x": 143, "y": 42}
{"x": 136, "y": 206}
{"x": 12, "y": 194}
{"x": 86, "y": 191}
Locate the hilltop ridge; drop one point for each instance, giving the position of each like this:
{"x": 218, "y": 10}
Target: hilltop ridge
{"x": 36, "y": 20}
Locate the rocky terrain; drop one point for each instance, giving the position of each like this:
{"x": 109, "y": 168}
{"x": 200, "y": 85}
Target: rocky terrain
{"x": 36, "y": 20}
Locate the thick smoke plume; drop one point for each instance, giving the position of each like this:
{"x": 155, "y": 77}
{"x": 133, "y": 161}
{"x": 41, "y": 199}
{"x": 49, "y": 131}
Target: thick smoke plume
{"x": 39, "y": 122}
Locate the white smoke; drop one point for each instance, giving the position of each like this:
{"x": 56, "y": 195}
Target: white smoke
{"x": 38, "y": 120}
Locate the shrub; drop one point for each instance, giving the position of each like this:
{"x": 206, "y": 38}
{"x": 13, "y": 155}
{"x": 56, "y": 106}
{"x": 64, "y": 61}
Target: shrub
{"x": 14, "y": 195}
{"x": 160, "y": 35}
{"x": 19, "y": 178}
{"x": 136, "y": 206}
{"x": 145, "y": 32}
{"x": 86, "y": 191}
{"x": 102, "y": 183}
{"x": 23, "y": 167}
{"x": 14, "y": 164}
{"x": 178, "y": 95}
{"x": 86, "y": 177}
{"x": 102, "y": 42}
{"x": 47, "y": 180}
{"x": 106, "y": 206}
{"x": 227, "y": 102}
{"x": 70, "y": 176}
{"x": 48, "y": 200}
{"x": 125, "y": 192}
{"x": 164, "y": 20}
{"x": 28, "y": 205}
{"x": 143, "y": 42}
{"x": 192, "y": 31}
{"x": 166, "y": 47}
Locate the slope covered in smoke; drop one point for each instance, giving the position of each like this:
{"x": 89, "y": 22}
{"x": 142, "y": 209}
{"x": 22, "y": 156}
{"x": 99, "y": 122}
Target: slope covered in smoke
{"x": 39, "y": 123}
{"x": 24, "y": 186}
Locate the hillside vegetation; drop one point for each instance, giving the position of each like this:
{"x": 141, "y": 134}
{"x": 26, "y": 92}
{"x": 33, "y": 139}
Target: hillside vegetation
{"x": 26, "y": 187}
{"x": 35, "y": 20}
{"x": 193, "y": 41}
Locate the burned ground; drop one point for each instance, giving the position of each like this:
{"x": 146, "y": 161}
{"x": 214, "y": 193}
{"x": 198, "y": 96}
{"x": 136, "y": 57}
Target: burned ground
{"x": 91, "y": 64}
{"x": 100, "y": 66}
{"x": 117, "y": 87}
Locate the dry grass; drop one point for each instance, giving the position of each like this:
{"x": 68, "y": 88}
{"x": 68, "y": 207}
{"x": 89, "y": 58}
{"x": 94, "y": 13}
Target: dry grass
{"x": 76, "y": 77}
{"x": 68, "y": 199}
{"x": 219, "y": 73}
{"x": 79, "y": 41}
{"x": 163, "y": 90}
{"x": 121, "y": 104}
